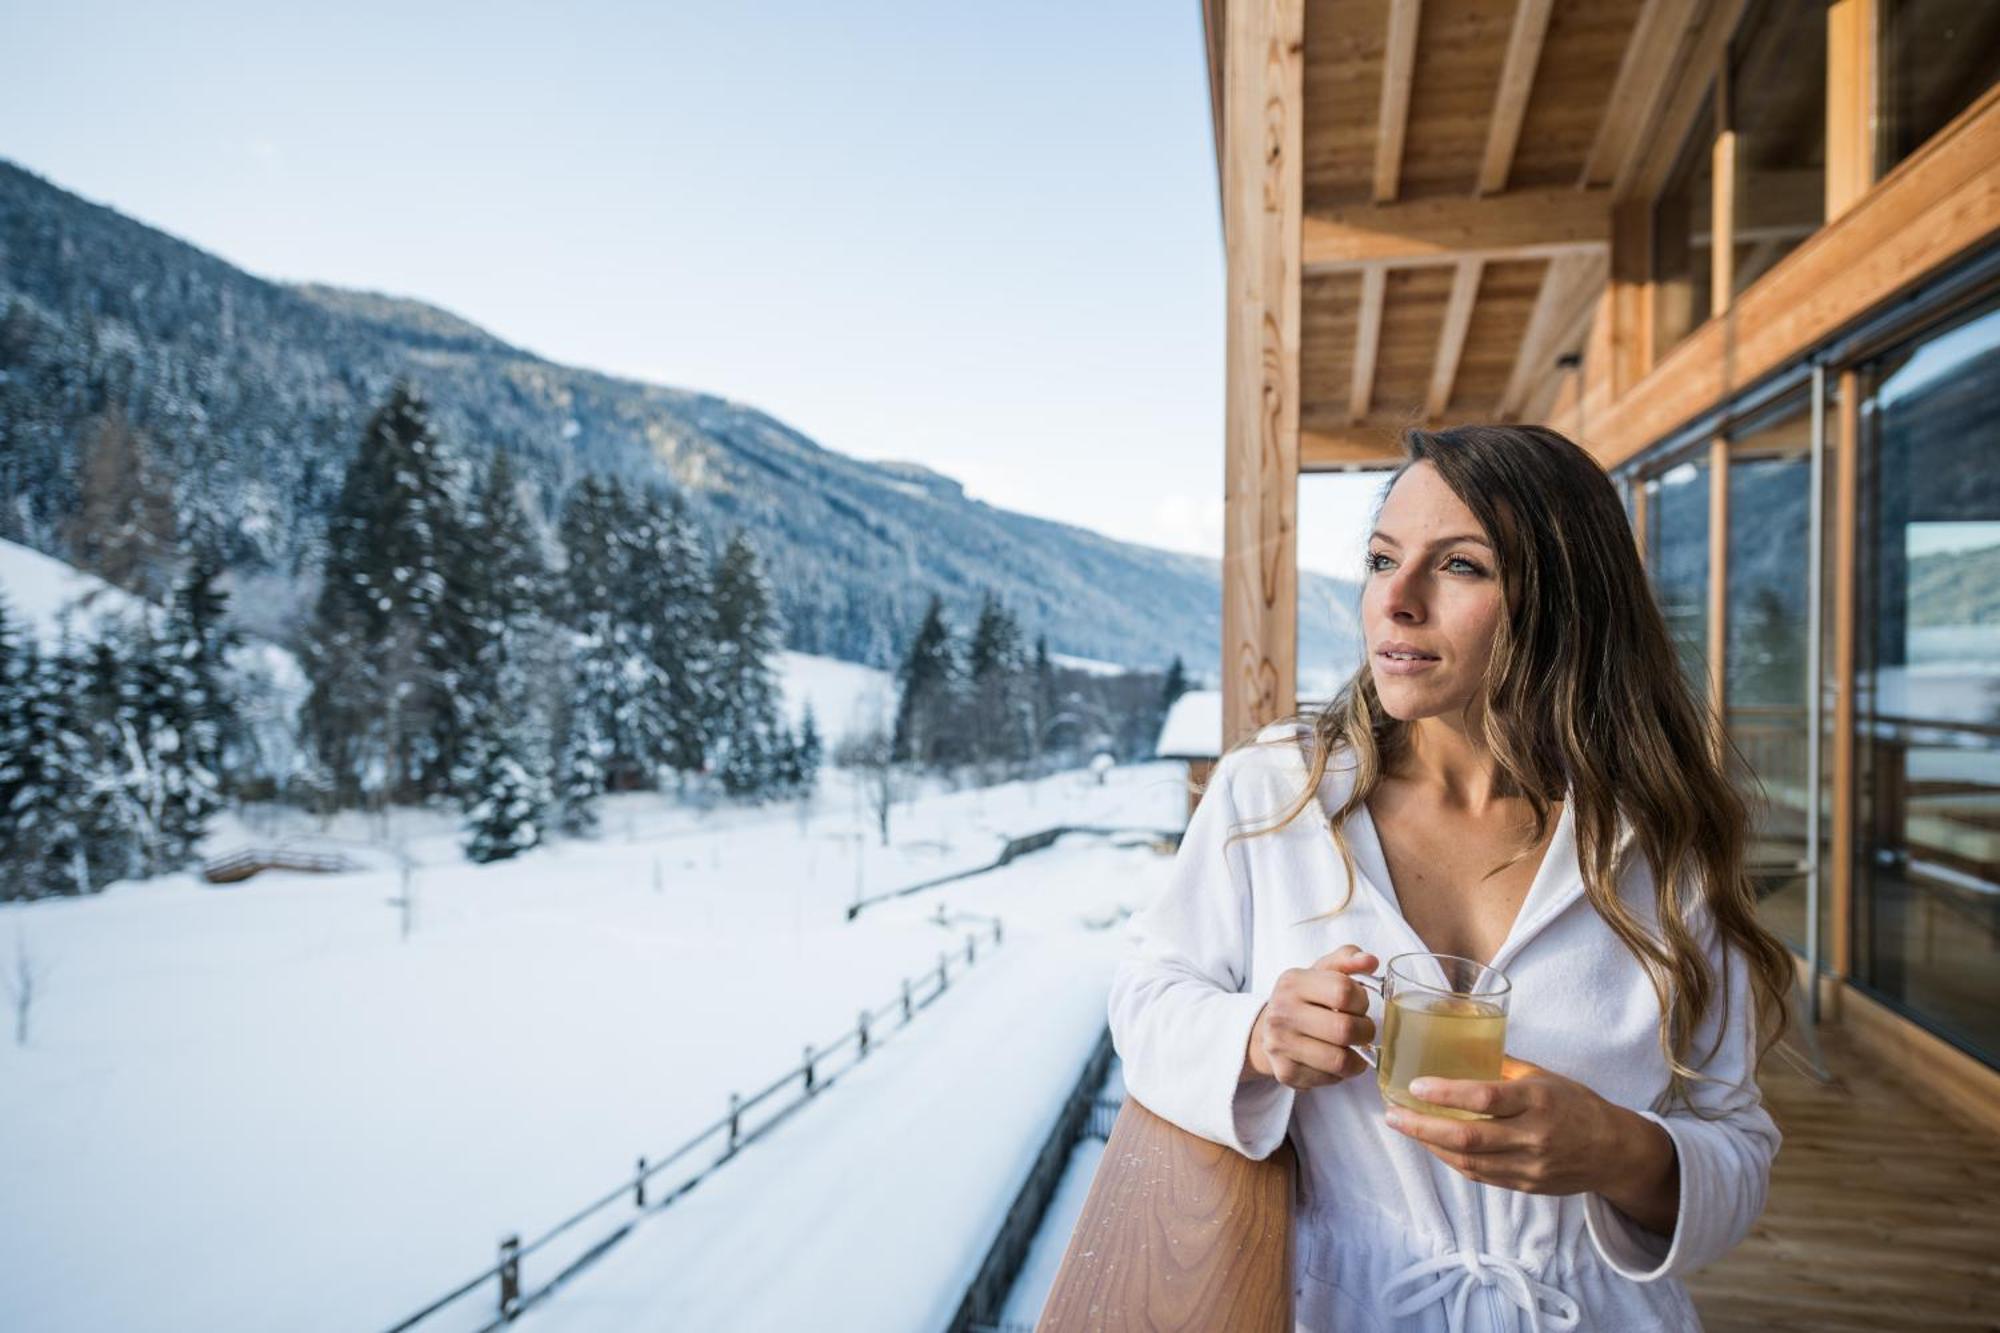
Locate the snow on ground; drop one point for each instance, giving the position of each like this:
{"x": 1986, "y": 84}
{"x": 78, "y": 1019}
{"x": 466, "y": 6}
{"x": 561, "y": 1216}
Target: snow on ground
{"x": 847, "y": 698}
{"x": 40, "y": 589}
{"x": 259, "y": 1107}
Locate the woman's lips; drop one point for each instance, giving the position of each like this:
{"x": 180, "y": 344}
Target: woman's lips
{"x": 1394, "y": 666}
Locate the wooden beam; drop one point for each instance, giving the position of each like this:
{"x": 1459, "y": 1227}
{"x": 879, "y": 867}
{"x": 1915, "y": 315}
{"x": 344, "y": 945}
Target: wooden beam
{"x": 1846, "y": 489}
{"x": 1213, "y": 25}
{"x": 1651, "y": 155}
{"x": 1935, "y": 207}
{"x": 1851, "y": 26}
{"x": 1325, "y": 448}
{"x": 1571, "y": 284}
{"x": 1510, "y": 102}
{"x": 1263, "y": 193}
{"x": 1399, "y": 66}
{"x": 1367, "y": 341}
{"x": 1638, "y": 89}
{"x": 1722, "y": 200}
{"x": 1631, "y": 294}
{"x": 1520, "y": 224}
{"x": 1451, "y": 336}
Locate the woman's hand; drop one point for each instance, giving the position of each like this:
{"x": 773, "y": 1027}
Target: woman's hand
{"x": 1549, "y": 1135}
{"x": 1305, "y": 1035}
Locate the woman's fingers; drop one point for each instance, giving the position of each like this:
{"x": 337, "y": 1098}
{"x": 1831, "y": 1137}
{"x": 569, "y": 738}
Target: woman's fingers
{"x": 1299, "y": 1061}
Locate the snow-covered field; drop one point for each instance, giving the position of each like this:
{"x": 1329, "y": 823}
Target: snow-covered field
{"x": 260, "y": 1107}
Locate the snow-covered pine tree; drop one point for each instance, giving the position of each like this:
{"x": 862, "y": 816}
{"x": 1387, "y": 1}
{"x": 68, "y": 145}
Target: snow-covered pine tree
{"x": 1175, "y": 685}
{"x": 16, "y": 649}
{"x": 49, "y": 839}
{"x": 1044, "y": 695}
{"x": 996, "y": 701}
{"x": 806, "y": 752}
{"x": 578, "y": 770}
{"x": 505, "y": 762}
{"x": 382, "y": 641}
{"x": 928, "y": 689}
{"x": 745, "y": 740}
{"x": 612, "y": 666}
{"x": 673, "y": 605}
{"x": 190, "y": 680}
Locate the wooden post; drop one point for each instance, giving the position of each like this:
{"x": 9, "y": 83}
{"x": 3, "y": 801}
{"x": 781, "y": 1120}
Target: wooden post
{"x": 906, "y": 1000}
{"x": 1262, "y": 196}
{"x": 863, "y": 1030}
{"x": 1846, "y": 471}
{"x": 735, "y": 1122}
{"x": 971, "y": 950}
{"x": 639, "y": 1186}
{"x": 942, "y": 977}
{"x": 809, "y": 1071}
{"x": 510, "y": 1277}
{"x": 996, "y": 931}
{"x": 1850, "y": 102}
{"x": 1722, "y": 190}
{"x": 1718, "y": 589}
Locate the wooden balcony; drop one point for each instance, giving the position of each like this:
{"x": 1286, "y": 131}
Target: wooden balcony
{"x": 1881, "y": 1216}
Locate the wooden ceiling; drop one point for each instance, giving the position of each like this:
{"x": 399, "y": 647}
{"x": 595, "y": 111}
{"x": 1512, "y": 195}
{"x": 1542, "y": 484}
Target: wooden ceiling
{"x": 1461, "y": 158}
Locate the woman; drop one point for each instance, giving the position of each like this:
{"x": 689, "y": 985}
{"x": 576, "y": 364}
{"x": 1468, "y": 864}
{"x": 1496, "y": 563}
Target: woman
{"x": 1519, "y": 775}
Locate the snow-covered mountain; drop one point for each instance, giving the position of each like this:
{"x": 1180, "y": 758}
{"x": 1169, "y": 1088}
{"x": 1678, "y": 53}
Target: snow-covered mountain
{"x": 252, "y": 394}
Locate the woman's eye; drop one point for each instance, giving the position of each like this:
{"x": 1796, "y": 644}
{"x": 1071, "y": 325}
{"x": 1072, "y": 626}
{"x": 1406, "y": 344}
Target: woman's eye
{"x": 1470, "y": 568}
{"x": 1368, "y": 561}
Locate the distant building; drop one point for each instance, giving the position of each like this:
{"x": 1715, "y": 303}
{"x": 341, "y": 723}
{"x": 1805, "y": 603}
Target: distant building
{"x": 1192, "y": 733}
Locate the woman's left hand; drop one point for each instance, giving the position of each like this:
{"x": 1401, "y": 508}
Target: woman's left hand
{"x": 1548, "y": 1135}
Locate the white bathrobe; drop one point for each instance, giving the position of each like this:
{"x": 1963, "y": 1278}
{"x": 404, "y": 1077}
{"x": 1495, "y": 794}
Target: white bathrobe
{"x": 1385, "y": 1236}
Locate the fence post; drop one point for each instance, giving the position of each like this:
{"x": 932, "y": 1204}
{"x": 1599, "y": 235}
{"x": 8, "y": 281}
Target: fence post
{"x": 971, "y": 949}
{"x": 943, "y": 980}
{"x": 639, "y": 1186}
{"x": 735, "y": 1115}
{"x": 996, "y": 930}
{"x": 864, "y": 1034}
{"x": 809, "y": 1071}
{"x": 510, "y": 1277}
{"x": 906, "y": 999}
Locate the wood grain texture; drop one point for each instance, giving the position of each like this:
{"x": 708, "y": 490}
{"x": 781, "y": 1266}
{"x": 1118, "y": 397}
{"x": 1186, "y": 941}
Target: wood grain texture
{"x": 1880, "y": 1216}
{"x": 1510, "y": 102}
{"x": 1392, "y": 120}
{"x": 1520, "y": 224}
{"x": 1937, "y": 205}
{"x": 1262, "y": 205}
{"x": 1177, "y": 1233}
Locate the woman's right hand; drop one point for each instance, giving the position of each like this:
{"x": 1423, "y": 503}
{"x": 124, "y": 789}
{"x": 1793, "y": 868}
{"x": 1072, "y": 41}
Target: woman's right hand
{"x": 1305, "y": 1035}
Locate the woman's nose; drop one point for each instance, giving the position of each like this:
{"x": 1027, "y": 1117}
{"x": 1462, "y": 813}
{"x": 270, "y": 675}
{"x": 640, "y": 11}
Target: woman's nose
{"x": 1401, "y": 598}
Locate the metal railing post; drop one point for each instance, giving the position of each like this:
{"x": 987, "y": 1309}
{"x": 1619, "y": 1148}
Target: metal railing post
{"x": 510, "y": 1277}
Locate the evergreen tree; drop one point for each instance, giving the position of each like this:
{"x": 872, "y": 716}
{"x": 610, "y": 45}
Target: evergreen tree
{"x": 997, "y": 703}
{"x": 193, "y": 719}
{"x": 806, "y": 752}
{"x": 49, "y": 833}
{"x": 674, "y": 603}
{"x": 620, "y": 689}
{"x": 16, "y": 668}
{"x": 383, "y": 646}
{"x": 505, "y": 765}
{"x": 927, "y": 682}
{"x": 1176, "y": 683}
{"x": 746, "y": 738}
{"x": 1046, "y": 704}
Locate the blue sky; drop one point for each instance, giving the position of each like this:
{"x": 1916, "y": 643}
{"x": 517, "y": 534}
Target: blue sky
{"x": 983, "y": 237}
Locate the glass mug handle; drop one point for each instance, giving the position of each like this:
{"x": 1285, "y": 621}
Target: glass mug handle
{"x": 1371, "y": 1051}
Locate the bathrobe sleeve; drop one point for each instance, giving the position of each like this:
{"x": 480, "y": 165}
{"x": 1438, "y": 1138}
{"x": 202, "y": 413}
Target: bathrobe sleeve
{"x": 1724, "y": 1149}
{"x": 1179, "y": 1011}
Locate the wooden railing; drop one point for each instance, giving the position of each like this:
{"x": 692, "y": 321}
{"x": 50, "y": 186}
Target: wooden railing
{"x": 241, "y": 865}
{"x": 1178, "y": 1233}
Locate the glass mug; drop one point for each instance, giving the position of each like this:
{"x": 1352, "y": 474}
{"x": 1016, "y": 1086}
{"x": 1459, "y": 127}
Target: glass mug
{"x": 1442, "y": 1017}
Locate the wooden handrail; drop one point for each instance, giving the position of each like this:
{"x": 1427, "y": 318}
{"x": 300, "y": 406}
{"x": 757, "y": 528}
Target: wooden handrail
{"x": 1178, "y": 1233}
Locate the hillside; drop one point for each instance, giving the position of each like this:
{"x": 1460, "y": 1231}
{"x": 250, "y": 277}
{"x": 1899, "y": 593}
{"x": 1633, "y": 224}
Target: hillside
{"x": 252, "y": 394}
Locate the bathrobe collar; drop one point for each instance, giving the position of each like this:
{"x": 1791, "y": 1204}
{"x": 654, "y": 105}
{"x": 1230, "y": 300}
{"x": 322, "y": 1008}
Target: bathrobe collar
{"x": 1558, "y": 882}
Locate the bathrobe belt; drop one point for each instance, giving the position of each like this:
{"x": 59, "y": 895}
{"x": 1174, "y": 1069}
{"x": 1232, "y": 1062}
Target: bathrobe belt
{"x": 1459, "y": 1273}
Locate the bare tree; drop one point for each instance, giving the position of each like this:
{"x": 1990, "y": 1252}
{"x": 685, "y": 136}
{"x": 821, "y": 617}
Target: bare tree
{"x": 24, "y": 982}
{"x": 871, "y": 754}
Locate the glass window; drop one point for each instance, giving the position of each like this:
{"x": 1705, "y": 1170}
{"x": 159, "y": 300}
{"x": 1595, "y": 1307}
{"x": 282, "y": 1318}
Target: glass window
{"x": 1683, "y": 235}
{"x": 1677, "y": 561}
{"x": 1764, "y": 664}
{"x": 1927, "y": 878}
{"x": 1937, "y": 57}
{"x": 1777, "y": 91}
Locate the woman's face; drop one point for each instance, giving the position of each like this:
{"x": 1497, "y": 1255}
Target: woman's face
{"x": 1432, "y": 588}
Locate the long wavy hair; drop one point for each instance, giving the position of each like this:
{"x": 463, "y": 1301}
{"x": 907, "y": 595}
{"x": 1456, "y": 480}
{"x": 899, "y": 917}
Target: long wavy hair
{"x": 1584, "y": 694}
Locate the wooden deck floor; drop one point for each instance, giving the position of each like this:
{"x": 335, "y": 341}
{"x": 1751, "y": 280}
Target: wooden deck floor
{"x": 1884, "y": 1213}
